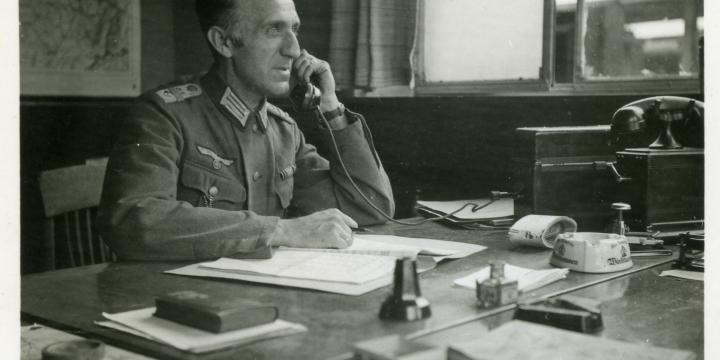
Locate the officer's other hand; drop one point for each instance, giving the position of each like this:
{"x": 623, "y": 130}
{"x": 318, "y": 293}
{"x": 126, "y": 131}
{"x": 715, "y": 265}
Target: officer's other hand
{"x": 324, "y": 229}
{"x": 310, "y": 69}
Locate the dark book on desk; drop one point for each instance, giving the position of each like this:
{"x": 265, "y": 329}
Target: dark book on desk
{"x": 211, "y": 313}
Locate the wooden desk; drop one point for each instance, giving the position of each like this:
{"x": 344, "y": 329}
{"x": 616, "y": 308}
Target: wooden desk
{"x": 74, "y": 298}
{"x": 34, "y": 338}
{"x": 641, "y": 308}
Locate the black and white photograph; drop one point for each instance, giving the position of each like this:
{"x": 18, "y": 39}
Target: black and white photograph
{"x": 359, "y": 179}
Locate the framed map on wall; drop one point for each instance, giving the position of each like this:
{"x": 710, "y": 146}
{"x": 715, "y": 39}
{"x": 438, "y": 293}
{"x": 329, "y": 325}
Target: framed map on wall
{"x": 80, "y": 47}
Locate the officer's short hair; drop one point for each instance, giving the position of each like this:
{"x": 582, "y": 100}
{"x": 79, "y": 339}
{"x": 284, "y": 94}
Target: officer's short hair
{"x": 215, "y": 13}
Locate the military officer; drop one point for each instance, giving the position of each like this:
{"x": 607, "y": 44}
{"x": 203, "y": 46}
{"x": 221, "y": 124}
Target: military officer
{"x": 207, "y": 167}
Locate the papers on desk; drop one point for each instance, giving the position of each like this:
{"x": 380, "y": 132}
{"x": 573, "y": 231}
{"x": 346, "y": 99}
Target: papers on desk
{"x": 525, "y": 340}
{"x": 528, "y": 279}
{"x": 684, "y": 274}
{"x": 367, "y": 265}
{"x": 399, "y": 246}
{"x": 500, "y": 209}
{"x": 311, "y": 265}
{"x": 142, "y": 323}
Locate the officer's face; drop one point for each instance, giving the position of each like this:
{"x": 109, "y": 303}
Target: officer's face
{"x": 263, "y": 58}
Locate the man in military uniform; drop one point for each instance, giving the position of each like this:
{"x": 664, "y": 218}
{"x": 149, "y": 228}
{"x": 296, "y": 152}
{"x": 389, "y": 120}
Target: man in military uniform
{"x": 207, "y": 167}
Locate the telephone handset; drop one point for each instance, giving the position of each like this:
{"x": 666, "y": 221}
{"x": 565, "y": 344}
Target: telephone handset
{"x": 660, "y": 161}
{"x": 305, "y": 97}
{"x": 661, "y": 122}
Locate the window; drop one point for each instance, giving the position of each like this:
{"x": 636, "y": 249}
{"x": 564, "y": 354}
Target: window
{"x": 450, "y": 51}
{"x": 558, "y": 46}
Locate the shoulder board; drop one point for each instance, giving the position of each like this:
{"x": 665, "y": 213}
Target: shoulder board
{"x": 272, "y": 109}
{"x": 179, "y": 93}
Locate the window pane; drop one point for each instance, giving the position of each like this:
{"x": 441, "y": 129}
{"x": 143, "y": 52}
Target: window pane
{"x": 640, "y": 38}
{"x": 565, "y": 11}
{"x": 470, "y": 40}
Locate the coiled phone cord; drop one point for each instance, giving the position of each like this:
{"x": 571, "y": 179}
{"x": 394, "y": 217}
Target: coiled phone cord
{"x": 475, "y": 207}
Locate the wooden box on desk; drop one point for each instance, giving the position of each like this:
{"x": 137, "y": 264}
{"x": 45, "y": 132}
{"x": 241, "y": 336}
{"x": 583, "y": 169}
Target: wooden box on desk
{"x": 563, "y": 171}
{"x": 665, "y": 186}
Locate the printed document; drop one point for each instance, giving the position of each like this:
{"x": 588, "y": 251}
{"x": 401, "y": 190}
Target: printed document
{"x": 398, "y": 246}
{"x": 367, "y": 265}
{"x": 310, "y": 265}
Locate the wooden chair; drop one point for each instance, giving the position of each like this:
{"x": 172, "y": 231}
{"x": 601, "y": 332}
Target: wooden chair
{"x": 70, "y": 197}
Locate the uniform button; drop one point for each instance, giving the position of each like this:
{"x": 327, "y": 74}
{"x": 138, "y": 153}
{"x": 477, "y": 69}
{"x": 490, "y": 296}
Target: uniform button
{"x": 256, "y": 176}
{"x": 255, "y": 127}
{"x": 213, "y": 190}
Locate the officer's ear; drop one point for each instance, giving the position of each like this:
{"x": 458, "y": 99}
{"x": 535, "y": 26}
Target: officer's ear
{"x": 220, "y": 41}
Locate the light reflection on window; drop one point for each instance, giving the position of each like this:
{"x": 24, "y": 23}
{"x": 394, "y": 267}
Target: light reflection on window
{"x": 474, "y": 40}
{"x": 640, "y": 38}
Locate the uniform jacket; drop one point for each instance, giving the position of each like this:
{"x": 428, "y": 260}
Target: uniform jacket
{"x": 196, "y": 174}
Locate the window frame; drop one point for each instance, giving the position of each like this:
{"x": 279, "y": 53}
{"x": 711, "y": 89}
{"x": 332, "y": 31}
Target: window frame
{"x": 546, "y": 84}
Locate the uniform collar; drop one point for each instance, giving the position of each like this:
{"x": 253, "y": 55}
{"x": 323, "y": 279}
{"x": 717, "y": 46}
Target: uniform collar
{"x": 231, "y": 104}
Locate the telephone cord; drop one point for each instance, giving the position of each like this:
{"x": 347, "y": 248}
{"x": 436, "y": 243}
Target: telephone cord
{"x": 475, "y": 207}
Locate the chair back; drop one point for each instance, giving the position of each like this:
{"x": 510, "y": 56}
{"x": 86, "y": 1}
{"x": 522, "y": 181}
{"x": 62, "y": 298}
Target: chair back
{"x": 70, "y": 198}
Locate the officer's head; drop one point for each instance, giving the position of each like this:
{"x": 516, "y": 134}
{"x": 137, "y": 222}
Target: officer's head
{"x": 256, "y": 39}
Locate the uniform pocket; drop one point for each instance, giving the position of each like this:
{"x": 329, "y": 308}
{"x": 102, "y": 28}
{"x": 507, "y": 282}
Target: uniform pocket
{"x": 285, "y": 184}
{"x": 203, "y": 188}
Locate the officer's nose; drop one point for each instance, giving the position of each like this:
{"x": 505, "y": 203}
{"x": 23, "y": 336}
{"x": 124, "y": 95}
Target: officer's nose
{"x": 291, "y": 46}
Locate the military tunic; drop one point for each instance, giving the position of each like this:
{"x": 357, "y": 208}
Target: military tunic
{"x": 197, "y": 174}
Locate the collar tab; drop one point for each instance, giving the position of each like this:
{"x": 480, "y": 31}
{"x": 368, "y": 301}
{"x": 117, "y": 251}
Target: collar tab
{"x": 235, "y": 106}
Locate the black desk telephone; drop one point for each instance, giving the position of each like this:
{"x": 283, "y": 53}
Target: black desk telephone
{"x": 651, "y": 157}
{"x": 658, "y": 144}
{"x": 661, "y": 122}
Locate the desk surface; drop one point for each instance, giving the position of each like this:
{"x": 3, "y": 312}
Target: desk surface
{"x": 74, "y": 298}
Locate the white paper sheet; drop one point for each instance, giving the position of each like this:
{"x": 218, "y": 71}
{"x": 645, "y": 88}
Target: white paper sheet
{"x": 333, "y": 287}
{"x": 362, "y": 245}
{"x": 438, "y": 249}
{"x": 501, "y": 208}
{"x": 331, "y": 273}
{"x": 319, "y": 266}
{"x": 528, "y": 279}
{"x": 684, "y": 274}
{"x": 142, "y": 323}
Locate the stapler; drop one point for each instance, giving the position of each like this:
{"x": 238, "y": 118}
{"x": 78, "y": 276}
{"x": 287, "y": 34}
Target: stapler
{"x": 566, "y": 312}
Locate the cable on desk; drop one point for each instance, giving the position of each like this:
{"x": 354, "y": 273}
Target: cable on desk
{"x": 475, "y": 207}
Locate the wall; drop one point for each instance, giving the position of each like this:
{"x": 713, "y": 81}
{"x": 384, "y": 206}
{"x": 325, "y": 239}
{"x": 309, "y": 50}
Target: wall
{"x": 61, "y": 131}
{"x": 447, "y": 147}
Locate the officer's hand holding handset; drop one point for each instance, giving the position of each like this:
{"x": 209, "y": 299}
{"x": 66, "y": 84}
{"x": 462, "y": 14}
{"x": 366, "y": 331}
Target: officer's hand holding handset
{"x": 308, "y": 69}
{"x": 327, "y": 228}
